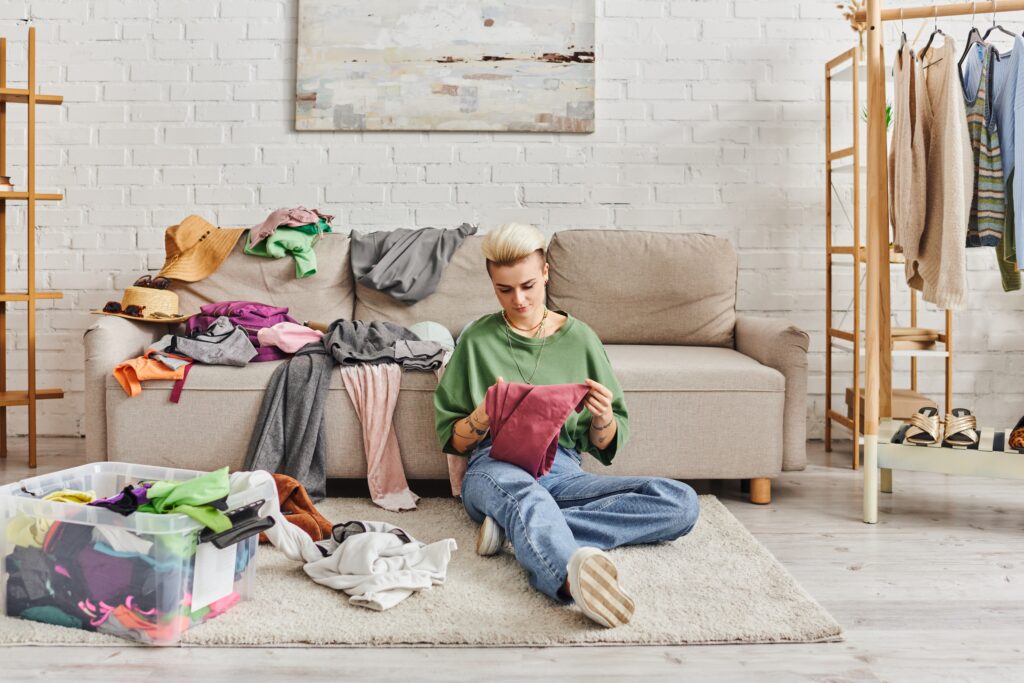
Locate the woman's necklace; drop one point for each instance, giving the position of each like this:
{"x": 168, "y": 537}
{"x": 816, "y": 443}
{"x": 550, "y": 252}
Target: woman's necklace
{"x": 508, "y": 338}
{"x": 531, "y": 328}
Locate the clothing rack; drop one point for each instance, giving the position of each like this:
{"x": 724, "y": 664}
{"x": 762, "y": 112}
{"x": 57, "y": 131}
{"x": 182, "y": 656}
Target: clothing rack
{"x": 881, "y": 459}
{"x": 846, "y": 67}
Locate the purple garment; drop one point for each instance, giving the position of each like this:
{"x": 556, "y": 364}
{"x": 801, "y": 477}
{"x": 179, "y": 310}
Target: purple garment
{"x": 126, "y": 502}
{"x": 252, "y": 316}
{"x": 284, "y": 218}
{"x": 107, "y": 579}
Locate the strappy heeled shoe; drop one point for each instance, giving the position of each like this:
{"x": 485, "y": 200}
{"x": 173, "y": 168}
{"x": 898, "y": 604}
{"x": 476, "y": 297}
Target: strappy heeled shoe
{"x": 961, "y": 429}
{"x": 924, "y": 427}
{"x": 1017, "y": 436}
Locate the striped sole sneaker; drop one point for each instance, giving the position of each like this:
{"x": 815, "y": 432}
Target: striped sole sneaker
{"x": 490, "y": 538}
{"x": 594, "y": 585}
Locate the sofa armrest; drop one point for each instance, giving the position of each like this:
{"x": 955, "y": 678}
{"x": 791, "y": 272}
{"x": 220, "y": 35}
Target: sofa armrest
{"x": 781, "y": 345}
{"x": 107, "y": 342}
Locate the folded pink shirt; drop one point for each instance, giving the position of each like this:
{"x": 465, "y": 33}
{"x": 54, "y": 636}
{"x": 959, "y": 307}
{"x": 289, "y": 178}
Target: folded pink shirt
{"x": 289, "y": 337}
{"x": 526, "y": 419}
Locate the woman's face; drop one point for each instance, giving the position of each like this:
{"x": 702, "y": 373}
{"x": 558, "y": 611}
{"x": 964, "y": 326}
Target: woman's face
{"x": 520, "y": 288}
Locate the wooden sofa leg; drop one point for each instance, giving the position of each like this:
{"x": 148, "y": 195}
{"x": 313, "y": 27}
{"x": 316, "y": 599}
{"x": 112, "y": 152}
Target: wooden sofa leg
{"x": 761, "y": 491}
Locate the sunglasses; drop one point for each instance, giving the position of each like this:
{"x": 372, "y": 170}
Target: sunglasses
{"x": 133, "y": 310}
{"x": 153, "y": 282}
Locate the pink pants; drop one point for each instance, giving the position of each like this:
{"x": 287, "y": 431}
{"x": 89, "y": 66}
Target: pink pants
{"x": 374, "y": 393}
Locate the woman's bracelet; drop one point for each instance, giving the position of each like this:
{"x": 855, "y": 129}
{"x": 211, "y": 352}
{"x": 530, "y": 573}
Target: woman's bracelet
{"x": 606, "y": 425}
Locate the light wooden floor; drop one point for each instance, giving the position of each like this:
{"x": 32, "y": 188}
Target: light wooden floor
{"x": 933, "y": 592}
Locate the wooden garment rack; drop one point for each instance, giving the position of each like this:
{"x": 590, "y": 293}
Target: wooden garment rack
{"x": 22, "y": 397}
{"x": 841, "y": 68}
{"x": 881, "y": 458}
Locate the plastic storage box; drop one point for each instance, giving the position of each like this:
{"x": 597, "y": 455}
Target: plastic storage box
{"x": 145, "y": 577}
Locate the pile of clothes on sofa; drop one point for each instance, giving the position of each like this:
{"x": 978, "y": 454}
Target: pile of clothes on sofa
{"x": 405, "y": 264}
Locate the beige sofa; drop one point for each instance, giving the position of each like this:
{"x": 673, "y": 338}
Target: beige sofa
{"x": 711, "y": 395}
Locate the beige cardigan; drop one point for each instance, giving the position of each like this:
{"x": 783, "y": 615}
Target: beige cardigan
{"x": 907, "y": 171}
{"x": 949, "y": 161}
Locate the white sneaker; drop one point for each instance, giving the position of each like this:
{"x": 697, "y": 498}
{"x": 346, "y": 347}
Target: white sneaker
{"x": 594, "y": 585}
{"x": 490, "y": 538}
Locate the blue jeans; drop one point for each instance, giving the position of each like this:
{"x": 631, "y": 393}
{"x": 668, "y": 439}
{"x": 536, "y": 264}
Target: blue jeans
{"x": 547, "y": 519}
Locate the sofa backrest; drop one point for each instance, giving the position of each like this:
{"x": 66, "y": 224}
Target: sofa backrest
{"x": 464, "y": 293}
{"x": 323, "y": 297}
{"x": 639, "y": 287}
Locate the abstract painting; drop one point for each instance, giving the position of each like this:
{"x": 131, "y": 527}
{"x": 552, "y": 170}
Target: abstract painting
{"x": 434, "y": 65}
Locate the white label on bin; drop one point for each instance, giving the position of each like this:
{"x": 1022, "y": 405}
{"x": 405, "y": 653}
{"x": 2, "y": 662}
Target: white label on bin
{"x": 214, "y": 577}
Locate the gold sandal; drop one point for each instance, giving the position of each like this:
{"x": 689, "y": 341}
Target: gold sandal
{"x": 924, "y": 427}
{"x": 961, "y": 429}
{"x": 1017, "y": 436}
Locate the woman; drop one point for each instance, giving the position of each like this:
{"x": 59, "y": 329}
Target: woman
{"x": 559, "y": 524}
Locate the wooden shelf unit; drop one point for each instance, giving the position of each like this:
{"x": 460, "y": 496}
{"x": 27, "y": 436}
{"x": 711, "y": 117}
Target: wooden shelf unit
{"x": 29, "y": 396}
{"x": 847, "y": 67}
{"x": 10, "y": 196}
{"x": 983, "y": 460}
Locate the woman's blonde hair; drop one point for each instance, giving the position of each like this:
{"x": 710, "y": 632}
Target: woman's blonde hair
{"x": 510, "y": 243}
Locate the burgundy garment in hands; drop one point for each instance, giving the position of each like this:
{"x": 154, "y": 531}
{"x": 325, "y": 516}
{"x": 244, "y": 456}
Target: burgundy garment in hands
{"x": 525, "y": 421}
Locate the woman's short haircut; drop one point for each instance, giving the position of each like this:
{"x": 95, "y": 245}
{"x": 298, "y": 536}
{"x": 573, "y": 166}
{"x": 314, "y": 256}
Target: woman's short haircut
{"x": 512, "y": 242}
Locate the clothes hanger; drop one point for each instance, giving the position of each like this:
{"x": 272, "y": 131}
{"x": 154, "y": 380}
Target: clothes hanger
{"x": 936, "y": 32}
{"x": 973, "y": 38}
{"x": 903, "y": 34}
{"x": 995, "y": 8}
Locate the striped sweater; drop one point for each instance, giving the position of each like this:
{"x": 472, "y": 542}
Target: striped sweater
{"x": 988, "y": 200}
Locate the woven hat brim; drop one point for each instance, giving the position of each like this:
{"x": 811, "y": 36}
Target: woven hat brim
{"x": 175, "y": 319}
{"x": 195, "y": 264}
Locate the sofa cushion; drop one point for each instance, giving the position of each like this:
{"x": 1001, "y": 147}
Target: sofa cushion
{"x": 214, "y": 420}
{"x": 324, "y": 297}
{"x": 463, "y": 294}
{"x": 638, "y": 287}
{"x": 637, "y": 367}
{"x": 690, "y": 369}
{"x": 700, "y": 435}
{"x": 678, "y": 398}
{"x": 256, "y": 377}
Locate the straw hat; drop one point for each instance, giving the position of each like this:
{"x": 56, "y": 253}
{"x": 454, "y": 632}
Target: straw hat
{"x": 159, "y": 305}
{"x": 195, "y": 248}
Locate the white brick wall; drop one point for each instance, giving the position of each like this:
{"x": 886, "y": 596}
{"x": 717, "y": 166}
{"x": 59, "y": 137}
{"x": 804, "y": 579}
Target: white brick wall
{"x": 709, "y": 118}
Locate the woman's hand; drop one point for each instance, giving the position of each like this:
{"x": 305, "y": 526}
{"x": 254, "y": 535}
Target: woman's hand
{"x": 599, "y": 402}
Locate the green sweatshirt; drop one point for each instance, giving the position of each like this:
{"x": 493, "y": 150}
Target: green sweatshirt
{"x": 286, "y": 241}
{"x": 571, "y": 355}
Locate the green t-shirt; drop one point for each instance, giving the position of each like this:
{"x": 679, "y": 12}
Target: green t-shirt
{"x": 571, "y": 355}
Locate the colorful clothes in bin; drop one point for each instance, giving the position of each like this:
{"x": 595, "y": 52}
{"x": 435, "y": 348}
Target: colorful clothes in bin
{"x": 113, "y": 580}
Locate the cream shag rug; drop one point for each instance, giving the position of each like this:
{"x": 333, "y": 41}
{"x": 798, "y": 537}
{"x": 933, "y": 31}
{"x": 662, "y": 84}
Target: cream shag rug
{"x": 716, "y": 585}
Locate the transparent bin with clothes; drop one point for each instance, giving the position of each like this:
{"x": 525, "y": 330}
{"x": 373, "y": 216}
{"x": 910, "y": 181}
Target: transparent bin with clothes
{"x": 143, "y": 576}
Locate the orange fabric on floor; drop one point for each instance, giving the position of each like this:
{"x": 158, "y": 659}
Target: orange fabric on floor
{"x": 131, "y": 373}
{"x": 169, "y": 630}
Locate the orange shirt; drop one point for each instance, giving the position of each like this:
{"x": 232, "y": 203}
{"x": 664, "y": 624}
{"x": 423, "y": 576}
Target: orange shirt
{"x": 131, "y": 373}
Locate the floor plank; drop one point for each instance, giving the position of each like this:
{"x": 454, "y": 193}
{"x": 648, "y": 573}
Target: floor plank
{"x": 933, "y": 592}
